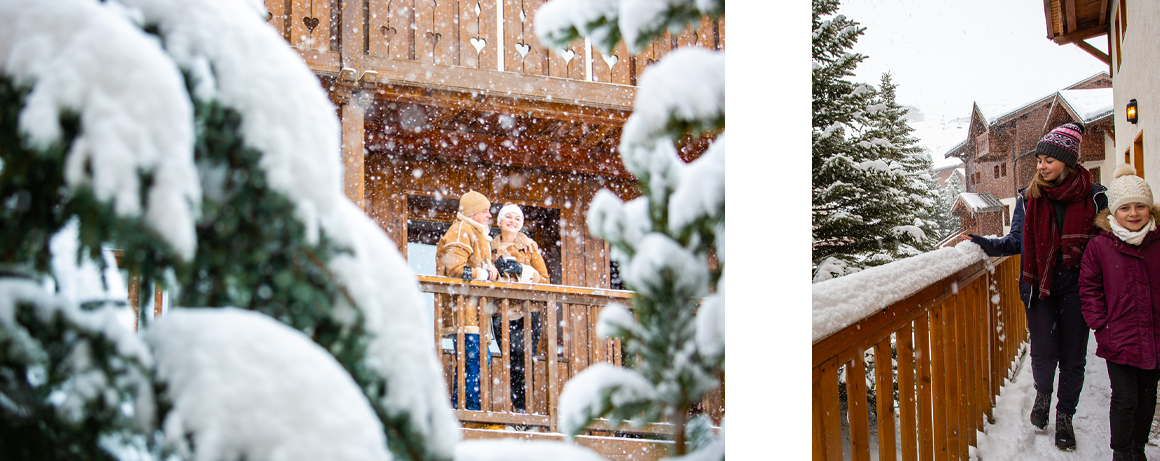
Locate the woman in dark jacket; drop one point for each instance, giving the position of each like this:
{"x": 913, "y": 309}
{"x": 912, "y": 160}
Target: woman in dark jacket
{"x": 1050, "y": 228}
{"x": 1120, "y": 289}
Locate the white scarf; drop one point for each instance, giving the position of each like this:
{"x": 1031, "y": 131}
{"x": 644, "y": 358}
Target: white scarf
{"x": 1129, "y": 237}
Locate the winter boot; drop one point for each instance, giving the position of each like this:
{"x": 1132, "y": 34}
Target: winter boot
{"x": 1040, "y": 410}
{"x": 1120, "y": 455}
{"x": 1064, "y": 432}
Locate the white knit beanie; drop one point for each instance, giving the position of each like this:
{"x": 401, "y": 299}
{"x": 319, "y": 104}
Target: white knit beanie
{"x": 510, "y": 208}
{"x": 1128, "y": 188}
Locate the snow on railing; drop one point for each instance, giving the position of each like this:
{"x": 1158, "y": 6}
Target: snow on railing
{"x": 843, "y": 301}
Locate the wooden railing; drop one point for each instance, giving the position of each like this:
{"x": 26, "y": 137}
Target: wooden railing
{"x": 954, "y": 347}
{"x": 572, "y": 310}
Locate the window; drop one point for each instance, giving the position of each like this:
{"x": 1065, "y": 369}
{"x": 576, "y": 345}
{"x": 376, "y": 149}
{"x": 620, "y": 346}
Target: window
{"x": 1003, "y": 168}
{"x": 1138, "y": 147}
{"x": 1006, "y": 215}
{"x": 1096, "y": 175}
{"x": 996, "y": 171}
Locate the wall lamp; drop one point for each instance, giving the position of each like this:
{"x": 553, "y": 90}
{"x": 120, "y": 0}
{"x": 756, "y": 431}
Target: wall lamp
{"x": 1132, "y": 112}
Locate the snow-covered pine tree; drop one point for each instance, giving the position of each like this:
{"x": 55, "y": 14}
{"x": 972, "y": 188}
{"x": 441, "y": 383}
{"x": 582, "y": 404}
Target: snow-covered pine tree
{"x": 99, "y": 123}
{"x": 913, "y": 193}
{"x": 871, "y": 196}
{"x": 948, "y": 194}
{"x": 665, "y": 239}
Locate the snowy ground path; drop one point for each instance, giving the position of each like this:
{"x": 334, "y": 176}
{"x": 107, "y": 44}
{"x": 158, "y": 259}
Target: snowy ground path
{"x": 1012, "y": 437}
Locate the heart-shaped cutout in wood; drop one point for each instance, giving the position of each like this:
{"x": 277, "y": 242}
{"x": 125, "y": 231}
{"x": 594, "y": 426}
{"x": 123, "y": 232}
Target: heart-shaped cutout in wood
{"x": 389, "y": 32}
{"x": 269, "y": 16}
{"x": 434, "y": 38}
{"x": 478, "y": 43}
{"x": 523, "y": 49}
{"x": 567, "y": 55}
{"x": 310, "y": 23}
{"x": 611, "y": 60}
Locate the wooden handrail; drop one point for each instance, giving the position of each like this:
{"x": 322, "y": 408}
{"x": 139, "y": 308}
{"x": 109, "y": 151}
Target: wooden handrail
{"x": 954, "y": 346}
{"x": 579, "y": 308}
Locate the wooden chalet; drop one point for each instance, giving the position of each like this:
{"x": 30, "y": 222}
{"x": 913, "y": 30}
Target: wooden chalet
{"x": 439, "y": 98}
{"x": 997, "y": 152}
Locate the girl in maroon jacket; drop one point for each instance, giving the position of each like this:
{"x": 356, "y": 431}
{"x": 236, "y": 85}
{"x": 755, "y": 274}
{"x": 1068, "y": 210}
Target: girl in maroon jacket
{"x": 1120, "y": 293}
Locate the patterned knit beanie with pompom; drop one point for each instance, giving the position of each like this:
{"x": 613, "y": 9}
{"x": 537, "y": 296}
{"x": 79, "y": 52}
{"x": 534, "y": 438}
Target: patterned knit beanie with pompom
{"x": 1128, "y": 188}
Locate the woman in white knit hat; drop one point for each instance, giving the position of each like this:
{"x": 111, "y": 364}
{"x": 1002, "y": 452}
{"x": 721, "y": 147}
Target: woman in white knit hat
{"x": 519, "y": 261}
{"x": 1120, "y": 293}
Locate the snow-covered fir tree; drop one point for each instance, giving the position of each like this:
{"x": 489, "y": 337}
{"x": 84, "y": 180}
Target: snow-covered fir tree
{"x": 665, "y": 239}
{"x": 190, "y": 137}
{"x": 872, "y": 193}
{"x": 948, "y": 194}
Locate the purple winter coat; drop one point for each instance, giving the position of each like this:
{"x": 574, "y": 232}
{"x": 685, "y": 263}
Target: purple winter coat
{"x": 1119, "y": 302}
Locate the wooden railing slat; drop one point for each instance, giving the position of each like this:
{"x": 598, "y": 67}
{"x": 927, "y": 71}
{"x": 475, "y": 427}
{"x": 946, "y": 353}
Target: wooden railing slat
{"x": 550, "y": 324}
{"x": 925, "y": 379}
{"x": 938, "y": 383}
{"x": 884, "y": 392}
{"x": 908, "y": 426}
{"x": 827, "y": 416}
{"x": 856, "y": 408}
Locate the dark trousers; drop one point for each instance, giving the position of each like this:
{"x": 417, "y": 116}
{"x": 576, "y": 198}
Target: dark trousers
{"x": 516, "y": 352}
{"x": 1059, "y": 339}
{"x": 1133, "y": 405}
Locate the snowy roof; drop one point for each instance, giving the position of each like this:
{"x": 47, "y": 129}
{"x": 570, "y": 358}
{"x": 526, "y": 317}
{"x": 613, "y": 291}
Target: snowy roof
{"x": 993, "y": 111}
{"x": 980, "y": 202}
{"x": 1089, "y": 105}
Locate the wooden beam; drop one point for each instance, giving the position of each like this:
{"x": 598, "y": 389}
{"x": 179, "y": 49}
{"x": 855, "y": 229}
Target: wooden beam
{"x": 1103, "y": 57}
{"x": 1047, "y": 13}
{"x": 1104, "y": 7}
{"x": 1080, "y": 35}
{"x": 555, "y": 109}
{"x": 532, "y": 87}
{"x": 1069, "y": 14}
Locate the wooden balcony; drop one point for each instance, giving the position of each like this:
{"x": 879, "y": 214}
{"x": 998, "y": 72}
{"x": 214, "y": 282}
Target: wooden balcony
{"x": 954, "y": 347}
{"x": 574, "y": 311}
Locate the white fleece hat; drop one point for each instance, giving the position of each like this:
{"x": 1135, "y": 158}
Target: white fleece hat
{"x": 1128, "y": 188}
{"x": 510, "y": 208}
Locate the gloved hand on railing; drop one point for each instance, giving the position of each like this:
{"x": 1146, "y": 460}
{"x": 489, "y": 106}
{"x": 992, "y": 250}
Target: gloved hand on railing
{"x": 508, "y": 266}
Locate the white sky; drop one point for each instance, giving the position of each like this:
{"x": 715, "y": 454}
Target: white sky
{"x": 945, "y": 55}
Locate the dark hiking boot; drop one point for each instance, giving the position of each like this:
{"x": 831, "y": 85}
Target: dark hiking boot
{"x": 1064, "y": 432}
{"x": 1040, "y": 410}
{"x": 1120, "y": 455}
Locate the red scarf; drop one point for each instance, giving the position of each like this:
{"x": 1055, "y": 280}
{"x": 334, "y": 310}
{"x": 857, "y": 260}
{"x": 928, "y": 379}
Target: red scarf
{"x": 1044, "y": 242}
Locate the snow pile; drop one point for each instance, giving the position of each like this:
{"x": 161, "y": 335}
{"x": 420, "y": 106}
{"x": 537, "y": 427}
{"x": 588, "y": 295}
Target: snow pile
{"x": 236, "y": 58}
{"x": 581, "y": 399}
{"x": 513, "y": 450}
{"x": 383, "y": 286}
{"x": 711, "y": 323}
{"x": 686, "y": 87}
{"x": 843, "y": 301}
{"x": 81, "y": 57}
{"x": 244, "y": 386}
{"x": 1089, "y": 104}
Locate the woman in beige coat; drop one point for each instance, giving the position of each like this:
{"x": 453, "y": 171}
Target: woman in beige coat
{"x": 529, "y": 267}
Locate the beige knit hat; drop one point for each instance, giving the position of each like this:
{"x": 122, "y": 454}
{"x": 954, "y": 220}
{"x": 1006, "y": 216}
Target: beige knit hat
{"x": 473, "y": 202}
{"x": 1128, "y": 188}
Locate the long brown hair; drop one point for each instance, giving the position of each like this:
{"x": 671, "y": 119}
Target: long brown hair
{"x": 1038, "y": 182}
